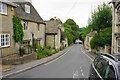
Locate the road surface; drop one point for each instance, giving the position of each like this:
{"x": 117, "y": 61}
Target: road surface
{"x": 75, "y": 63}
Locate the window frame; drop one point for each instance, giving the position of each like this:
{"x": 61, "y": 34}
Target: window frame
{"x": 3, "y": 6}
{"x": 118, "y": 46}
{"x": 27, "y": 8}
{"x": 5, "y": 42}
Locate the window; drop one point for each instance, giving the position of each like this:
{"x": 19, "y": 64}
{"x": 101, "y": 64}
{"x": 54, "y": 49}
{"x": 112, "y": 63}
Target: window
{"x": 119, "y": 15}
{"x": 101, "y": 67}
{"x": 110, "y": 72}
{"x": 3, "y": 8}
{"x": 25, "y": 24}
{"x": 4, "y": 40}
{"x": 27, "y": 8}
{"x": 118, "y": 45}
{"x": 38, "y": 27}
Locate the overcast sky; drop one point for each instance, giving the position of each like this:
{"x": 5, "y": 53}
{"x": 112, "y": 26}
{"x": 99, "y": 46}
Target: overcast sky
{"x": 78, "y": 10}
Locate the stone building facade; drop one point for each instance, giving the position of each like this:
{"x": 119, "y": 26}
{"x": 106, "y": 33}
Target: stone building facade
{"x": 7, "y": 10}
{"x": 53, "y": 33}
{"x": 33, "y": 24}
{"x": 116, "y": 27}
{"x": 87, "y": 41}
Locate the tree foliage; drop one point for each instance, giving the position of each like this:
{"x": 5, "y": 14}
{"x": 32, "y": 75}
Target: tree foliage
{"x": 104, "y": 38}
{"x": 101, "y": 18}
{"x": 72, "y": 30}
{"x": 18, "y": 30}
{"x": 100, "y": 21}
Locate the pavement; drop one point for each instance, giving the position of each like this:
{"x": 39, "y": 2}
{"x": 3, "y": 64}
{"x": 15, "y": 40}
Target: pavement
{"x": 73, "y": 62}
{"x": 27, "y": 66}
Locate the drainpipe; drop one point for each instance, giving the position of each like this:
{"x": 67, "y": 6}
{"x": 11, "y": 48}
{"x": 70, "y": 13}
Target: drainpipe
{"x": 1, "y": 51}
{"x": 45, "y": 34}
{"x": 113, "y": 25}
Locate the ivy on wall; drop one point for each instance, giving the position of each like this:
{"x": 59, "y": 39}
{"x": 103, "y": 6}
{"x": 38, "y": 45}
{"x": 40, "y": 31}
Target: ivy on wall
{"x": 17, "y": 29}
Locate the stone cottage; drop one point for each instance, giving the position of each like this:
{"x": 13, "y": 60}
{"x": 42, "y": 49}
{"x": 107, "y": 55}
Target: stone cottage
{"x": 33, "y": 24}
{"x": 116, "y": 27}
{"x": 87, "y": 41}
{"x": 53, "y": 33}
{"x": 64, "y": 40}
{"x": 7, "y": 10}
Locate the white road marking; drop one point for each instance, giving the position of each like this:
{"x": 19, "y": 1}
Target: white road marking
{"x": 81, "y": 70}
{"x": 82, "y": 74}
{"x": 75, "y": 75}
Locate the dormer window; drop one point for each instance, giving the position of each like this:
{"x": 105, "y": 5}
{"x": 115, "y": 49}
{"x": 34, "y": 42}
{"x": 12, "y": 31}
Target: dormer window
{"x": 27, "y": 8}
{"x": 119, "y": 15}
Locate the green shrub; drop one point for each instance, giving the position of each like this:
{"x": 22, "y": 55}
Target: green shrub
{"x": 41, "y": 55}
{"x": 48, "y": 47}
{"x": 61, "y": 48}
{"x": 21, "y": 50}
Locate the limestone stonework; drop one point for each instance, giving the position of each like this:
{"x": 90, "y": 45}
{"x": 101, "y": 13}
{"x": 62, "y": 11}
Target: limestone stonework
{"x": 116, "y": 26}
{"x": 7, "y": 28}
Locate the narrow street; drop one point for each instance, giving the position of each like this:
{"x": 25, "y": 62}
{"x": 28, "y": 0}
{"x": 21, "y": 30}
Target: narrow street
{"x": 74, "y": 64}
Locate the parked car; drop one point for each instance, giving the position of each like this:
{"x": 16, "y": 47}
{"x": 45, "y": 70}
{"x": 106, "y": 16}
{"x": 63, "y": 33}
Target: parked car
{"x": 105, "y": 67}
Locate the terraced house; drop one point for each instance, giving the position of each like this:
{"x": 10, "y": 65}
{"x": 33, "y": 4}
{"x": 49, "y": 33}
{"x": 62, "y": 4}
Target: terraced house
{"x": 53, "y": 33}
{"x": 33, "y": 24}
{"x": 116, "y": 27}
{"x": 7, "y": 10}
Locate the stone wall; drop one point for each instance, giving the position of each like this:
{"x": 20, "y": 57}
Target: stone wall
{"x": 19, "y": 60}
{"x": 50, "y": 39}
{"x": 38, "y": 33}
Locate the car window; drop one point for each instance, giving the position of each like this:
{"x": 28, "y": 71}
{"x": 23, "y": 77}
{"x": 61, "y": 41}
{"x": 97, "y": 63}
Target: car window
{"x": 110, "y": 73}
{"x": 101, "y": 67}
{"x": 96, "y": 61}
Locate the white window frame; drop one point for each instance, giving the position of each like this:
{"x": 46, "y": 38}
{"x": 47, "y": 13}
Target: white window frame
{"x": 27, "y": 8}
{"x": 118, "y": 45}
{"x": 5, "y": 45}
{"x": 3, "y": 6}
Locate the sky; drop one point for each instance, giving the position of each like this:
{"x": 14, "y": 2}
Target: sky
{"x": 78, "y": 10}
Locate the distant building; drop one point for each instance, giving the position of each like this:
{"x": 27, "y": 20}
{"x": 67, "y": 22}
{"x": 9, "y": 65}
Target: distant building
{"x": 87, "y": 41}
{"x": 53, "y": 33}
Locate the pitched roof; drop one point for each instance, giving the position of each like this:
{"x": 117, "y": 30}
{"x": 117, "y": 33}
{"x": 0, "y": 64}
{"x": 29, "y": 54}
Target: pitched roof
{"x": 32, "y": 16}
{"x": 9, "y": 3}
{"x": 52, "y": 26}
{"x": 92, "y": 33}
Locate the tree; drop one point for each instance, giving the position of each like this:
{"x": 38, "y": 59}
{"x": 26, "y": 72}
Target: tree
{"x": 73, "y": 25}
{"x": 101, "y": 21}
{"x": 101, "y": 18}
{"x": 52, "y": 19}
{"x": 85, "y": 31}
{"x": 72, "y": 30}
{"x": 104, "y": 38}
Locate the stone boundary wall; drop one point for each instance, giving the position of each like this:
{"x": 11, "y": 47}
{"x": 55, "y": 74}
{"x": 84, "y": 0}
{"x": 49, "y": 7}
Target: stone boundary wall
{"x": 19, "y": 60}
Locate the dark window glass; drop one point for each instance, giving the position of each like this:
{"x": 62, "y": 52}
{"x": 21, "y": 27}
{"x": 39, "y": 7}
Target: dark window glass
{"x": 101, "y": 66}
{"x": 110, "y": 73}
